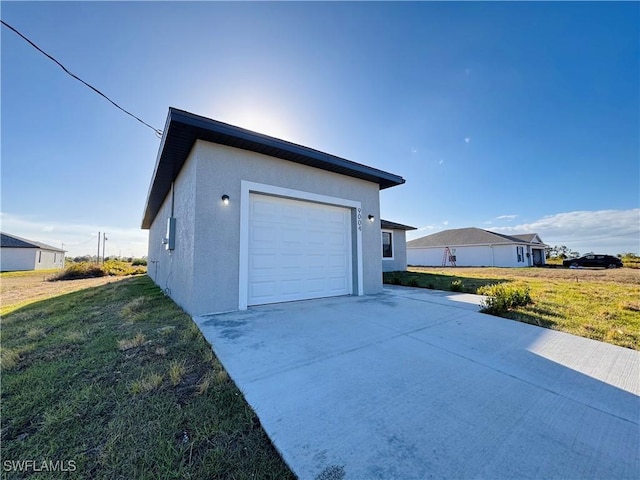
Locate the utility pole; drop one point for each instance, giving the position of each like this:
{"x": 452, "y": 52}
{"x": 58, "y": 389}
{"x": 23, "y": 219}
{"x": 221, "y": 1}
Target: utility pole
{"x": 104, "y": 239}
{"x": 98, "y": 258}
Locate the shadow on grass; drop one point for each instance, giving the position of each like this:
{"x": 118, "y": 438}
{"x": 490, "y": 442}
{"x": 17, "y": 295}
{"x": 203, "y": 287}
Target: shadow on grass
{"x": 453, "y": 283}
{"x": 533, "y": 316}
{"x": 119, "y": 380}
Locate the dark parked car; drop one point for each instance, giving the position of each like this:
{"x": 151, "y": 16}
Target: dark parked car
{"x": 593, "y": 260}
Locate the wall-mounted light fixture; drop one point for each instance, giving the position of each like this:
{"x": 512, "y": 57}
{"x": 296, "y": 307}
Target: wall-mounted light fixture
{"x": 371, "y": 218}
{"x": 225, "y": 199}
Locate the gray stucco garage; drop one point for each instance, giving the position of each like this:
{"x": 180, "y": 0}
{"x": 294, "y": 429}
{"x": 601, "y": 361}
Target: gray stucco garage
{"x": 412, "y": 384}
{"x": 237, "y": 218}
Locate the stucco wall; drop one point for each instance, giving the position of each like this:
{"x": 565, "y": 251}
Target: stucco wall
{"x": 16, "y": 259}
{"x": 172, "y": 270}
{"x": 505, "y": 256}
{"x": 399, "y": 261}
{"x": 47, "y": 259}
{"x": 469, "y": 256}
{"x": 209, "y": 276}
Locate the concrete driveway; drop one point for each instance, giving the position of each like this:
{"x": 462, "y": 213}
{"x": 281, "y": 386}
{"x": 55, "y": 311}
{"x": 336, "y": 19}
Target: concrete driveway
{"x": 415, "y": 384}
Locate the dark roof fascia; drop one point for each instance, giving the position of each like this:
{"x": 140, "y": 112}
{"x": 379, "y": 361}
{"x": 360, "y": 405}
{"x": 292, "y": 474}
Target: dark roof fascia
{"x": 24, "y": 243}
{"x": 386, "y": 224}
{"x": 182, "y": 129}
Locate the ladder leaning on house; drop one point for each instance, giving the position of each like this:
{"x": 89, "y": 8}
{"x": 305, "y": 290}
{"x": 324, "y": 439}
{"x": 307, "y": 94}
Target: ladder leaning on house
{"x": 448, "y": 257}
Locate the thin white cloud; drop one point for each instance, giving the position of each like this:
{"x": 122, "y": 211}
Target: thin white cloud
{"x": 440, "y": 162}
{"x": 467, "y": 139}
{"x": 446, "y": 222}
{"x": 78, "y": 239}
{"x": 506, "y": 217}
{"x": 605, "y": 231}
{"x": 422, "y": 231}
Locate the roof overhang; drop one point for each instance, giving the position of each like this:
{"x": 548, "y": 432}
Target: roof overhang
{"x": 387, "y": 225}
{"x": 182, "y": 129}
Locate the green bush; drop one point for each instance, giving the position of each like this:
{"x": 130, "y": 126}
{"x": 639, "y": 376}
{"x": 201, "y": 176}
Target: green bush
{"x": 501, "y": 298}
{"x": 414, "y": 283}
{"x": 139, "y": 262}
{"x": 456, "y": 286}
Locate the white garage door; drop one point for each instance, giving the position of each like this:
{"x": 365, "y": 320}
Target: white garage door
{"x": 297, "y": 250}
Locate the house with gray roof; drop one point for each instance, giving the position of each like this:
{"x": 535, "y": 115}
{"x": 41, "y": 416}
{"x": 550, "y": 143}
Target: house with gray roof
{"x": 394, "y": 246}
{"x": 17, "y": 253}
{"x": 475, "y": 247}
{"x": 237, "y": 218}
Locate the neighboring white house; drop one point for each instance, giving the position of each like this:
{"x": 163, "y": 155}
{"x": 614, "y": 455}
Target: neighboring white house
{"x": 474, "y": 247}
{"x": 18, "y": 253}
{"x": 394, "y": 246}
{"x": 237, "y": 218}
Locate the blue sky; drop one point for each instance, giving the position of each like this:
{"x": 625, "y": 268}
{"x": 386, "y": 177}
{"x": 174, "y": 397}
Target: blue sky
{"x": 517, "y": 117}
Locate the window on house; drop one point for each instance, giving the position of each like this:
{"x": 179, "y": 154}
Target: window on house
{"x": 520, "y": 251}
{"x": 387, "y": 245}
{"x": 40, "y": 256}
{"x": 54, "y": 257}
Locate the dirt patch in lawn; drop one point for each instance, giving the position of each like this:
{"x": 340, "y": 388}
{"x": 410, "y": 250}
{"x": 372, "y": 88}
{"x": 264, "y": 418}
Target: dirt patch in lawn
{"x": 20, "y": 289}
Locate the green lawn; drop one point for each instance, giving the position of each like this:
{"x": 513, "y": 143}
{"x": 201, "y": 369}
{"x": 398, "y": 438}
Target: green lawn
{"x": 599, "y": 304}
{"x": 119, "y": 381}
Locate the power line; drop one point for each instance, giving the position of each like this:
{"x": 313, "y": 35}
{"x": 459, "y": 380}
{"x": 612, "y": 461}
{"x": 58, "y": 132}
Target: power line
{"x": 157, "y": 131}
{"x": 81, "y": 243}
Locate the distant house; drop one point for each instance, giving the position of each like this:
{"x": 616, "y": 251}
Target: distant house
{"x": 474, "y": 247}
{"x": 394, "y": 246}
{"x": 18, "y": 253}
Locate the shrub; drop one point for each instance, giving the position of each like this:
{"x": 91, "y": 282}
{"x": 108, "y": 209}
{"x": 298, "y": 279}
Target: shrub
{"x": 413, "y": 283}
{"x": 139, "y": 262}
{"x": 91, "y": 270}
{"x": 456, "y": 286}
{"x": 80, "y": 270}
{"x": 501, "y": 298}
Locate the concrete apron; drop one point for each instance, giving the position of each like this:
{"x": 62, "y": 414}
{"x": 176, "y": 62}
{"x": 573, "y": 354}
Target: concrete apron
{"x": 413, "y": 384}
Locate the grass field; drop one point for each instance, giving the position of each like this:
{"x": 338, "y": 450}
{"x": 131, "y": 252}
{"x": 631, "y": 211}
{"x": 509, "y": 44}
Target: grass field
{"x": 118, "y": 380}
{"x": 18, "y": 289}
{"x": 599, "y": 304}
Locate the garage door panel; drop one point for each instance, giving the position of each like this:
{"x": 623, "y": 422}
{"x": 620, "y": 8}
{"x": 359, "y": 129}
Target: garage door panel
{"x": 291, "y": 260}
{"x": 263, "y": 290}
{"x": 266, "y": 211}
{"x": 336, "y": 283}
{"x": 264, "y": 235}
{"x": 337, "y": 261}
{"x": 336, "y": 240}
{"x": 297, "y": 250}
{"x": 316, "y": 261}
{"x": 264, "y": 261}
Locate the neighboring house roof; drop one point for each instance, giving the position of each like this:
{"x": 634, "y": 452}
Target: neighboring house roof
{"x": 472, "y": 236}
{"x": 182, "y": 129}
{"x": 529, "y": 237}
{"x": 12, "y": 241}
{"x": 386, "y": 224}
